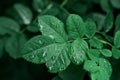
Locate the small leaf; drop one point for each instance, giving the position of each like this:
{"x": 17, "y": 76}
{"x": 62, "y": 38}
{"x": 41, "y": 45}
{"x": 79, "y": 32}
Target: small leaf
{"x": 90, "y": 28}
{"x": 8, "y": 25}
{"x": 117, "y": 39}
{"x": 105, "y": 5}
{"x": 52, "y": 27}
{"x": 91, "y": 66}
{"x": 106, "y": 52}
{"x": 108, "y": 22}
{"x": 23, "y": 14}
{"x": 115, "y": 3}
{"x": 39, "y": 5}
{"x": 116, "y": 52}
{"x": 117, "y": 23}
{"x": 75, "y": 26}
{"x": 33, "y": 27}
{"x": 95, "y": 42}
{"x": 78, "y": 51}
{"x": 93, "y": 54}
{"x": 14, "y": 45}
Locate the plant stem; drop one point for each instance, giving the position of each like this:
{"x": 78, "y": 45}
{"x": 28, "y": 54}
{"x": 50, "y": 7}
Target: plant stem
{"x": 64, "y": 3}
{"x": 105, "y": 42}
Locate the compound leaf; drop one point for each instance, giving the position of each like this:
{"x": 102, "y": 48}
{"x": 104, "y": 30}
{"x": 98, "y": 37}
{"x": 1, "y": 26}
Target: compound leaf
{"x": 52, "y": 27}
{"x": 8, "y": 25}
{"x": 75, "y": 26}
{"x": 78, "y": 51}
{"x": 100, "y": 70}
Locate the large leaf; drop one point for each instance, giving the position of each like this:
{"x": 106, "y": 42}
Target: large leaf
{"x": 73, "y": 72}
{"x": 14, "y": 45}
{"x": 100, "y": 70}
{"x": 8, "y": 25}
{"x": 52, "y": 27}
{"x": 117, "y": 39}
{"x": 117, "y": 23}
{"x": 60, "y": 60}
{"x": 36, "y": 49}
{"x": 108, "y": 22}
{"x": 90, "y": 28}
{"x": 23, "y": 14}
{"x": 42, "y": 49}
{"x": 78, "y": 51}
{"x": 75, "y": 26}
{"x": 115, "y": 3}
{"x": 116, "y": 52}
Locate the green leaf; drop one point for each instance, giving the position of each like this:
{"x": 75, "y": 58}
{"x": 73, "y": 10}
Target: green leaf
{"x": 40, "y": 5}
{"x": 75, "y": 26}
{"x": 95, "y": 42}
{"x": 36, "y": 49}
{"x": 93, "y": 54}
{"x": 108, "y": 22}
{"x": 117, "y": 23}
{"x": 67, "y": 74}
{"x": 105, "y": 5}
{"x": 8, "y": 25}
{"x": 99, "y": 19}
{"x": 91, "y": 66}
{"x": 116, "y": 52}
{"x": 106, "y": 52}
{"x": 14, "y": 45}
{"x": 42, "y": 49}
{"x": 33, "y": 27}
{"x": 22, "y": 14}
{"x": 115, "y": 3}
{"x": 90, "y": 28}
{"x": 78, "y": 51}
{"x": 60, "y": 60}
{"x": 100, "y": 70}
{"x": 117, "y": 39}
{"x": 52, "y": 27}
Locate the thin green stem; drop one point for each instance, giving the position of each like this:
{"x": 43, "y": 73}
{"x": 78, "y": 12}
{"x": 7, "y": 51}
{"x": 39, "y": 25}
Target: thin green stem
{"x": 105, "y": 42}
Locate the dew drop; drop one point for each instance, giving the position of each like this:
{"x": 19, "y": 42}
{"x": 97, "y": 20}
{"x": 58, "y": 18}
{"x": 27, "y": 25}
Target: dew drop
{"x": 44, "y": 54}
{"x": 40, "y": 41}
{"x": 50, "y": 68}
{"x": 41, "y": 27}
{"x": 51, "y": 36}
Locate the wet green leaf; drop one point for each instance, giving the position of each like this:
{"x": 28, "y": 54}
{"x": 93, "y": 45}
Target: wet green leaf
{"x": 117, "y": 39}
{"x": 52, "y": 27}
{"x": 75, "y": 26}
